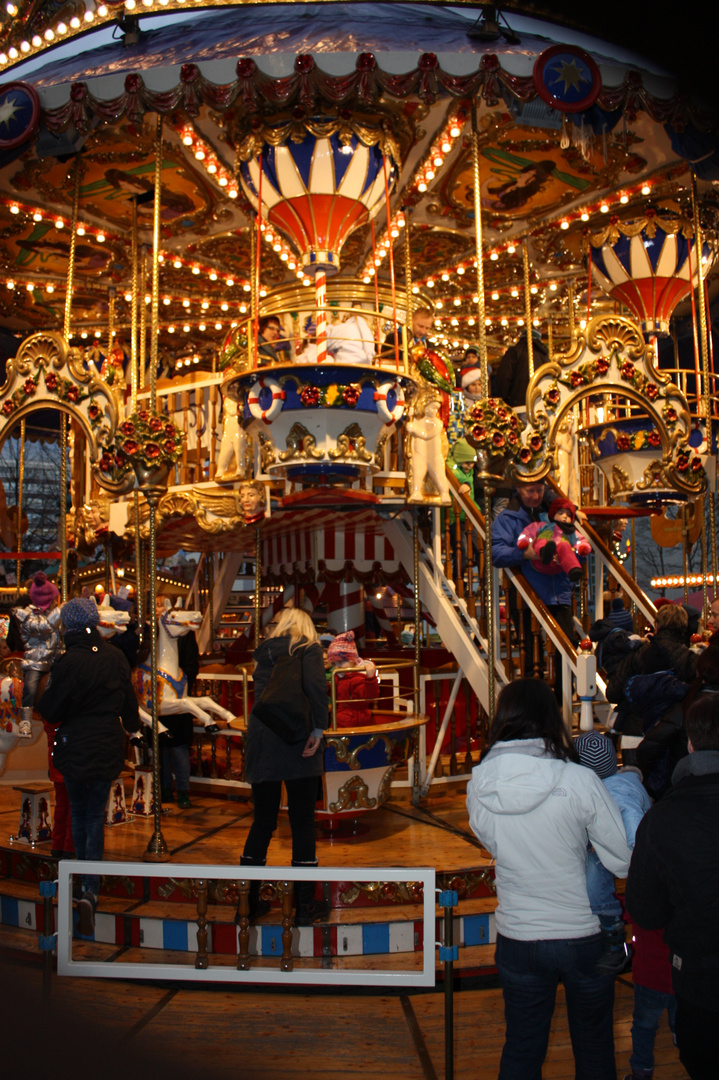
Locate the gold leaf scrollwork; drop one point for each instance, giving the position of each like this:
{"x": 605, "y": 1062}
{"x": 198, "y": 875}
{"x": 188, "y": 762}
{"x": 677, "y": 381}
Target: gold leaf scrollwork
{"x": 341, "y": 746}
{"x": 386, "y": 892}
{"x": 352, "y": 444}
{"x": 301, "y": 443}
{"x": 353, "y": 795}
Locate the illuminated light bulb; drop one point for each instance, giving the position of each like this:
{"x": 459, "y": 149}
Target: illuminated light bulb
{"x": 514, "y": 292}
{"x": 494, "y": 256}
{"x": 3, "y": 58}
{"x": 475, "y": 299}
{"x": 430, "y": 283}
{"x": 187, "y": 140}
{"x": 401, "y": 221}
{"x": 230, "y": 282}
{"x": 84, "y": 335}
{"x": 520, "y": 322}
{"x": 25, "y": 46}
{"x": 604, "y": 209}
{"x": 457, "y": 301}
{"x": 166, "y": 300}
{"x": 454, "y": 322}
{"x": 59, "y": 223}
{"x": 75, "y": 22}
{"x": 366, "y": 279}
{"x": 487, "y": 322}
{"x": 504, "y": 322}
{"x": 36, "y": 40}
{"x": 446, "y": 146}
{"x": 11, "y": 9}
{"x": 185, "y": 303}
{"x": 223, "y": 181}
{"x": 13, "y": 53}
{"x": 49, "y": 34}
{"x": 277, "y": 247}
{"x": 445, "y": 277}
{"x": 213, "y": 275}
{"x": 30, "y": 287}
{"x": 584, "y": 216}
{"x": 624, "y": 198}
{"x": 460, "y": 270}
{"x": 394, "y": 232}
{"x": 171, "y": 329}
{"x": 201, "y": 326}
{"x": 269, "y": 237}
{"x": 284, "y": 256}
{"x": 200, "y": 154}
{"x": 291, "y": 265}
{"x": 535, "y": 322}
{"x": 511, "y": 249}
{"x": 89, "y": 16}
{"x": 50, "y": 288}
{"x": 455, "y": 131}
{"x": 564, "y": 225}
{"x": 195, "y": 270}
{"x": 553, "y": 286}
{"x": 470, "y": 322}
{"x": 205, "y": 305}
{"x": 533, "y": 290}
{"x": 248, "y": 288}
{"x": 438, "y": 161}
{"x": 430, "y": 174}
{"x": 243, "y": 309}
{"x": 371, "y": 271}
{"x": 177, "y": 264}
{"x": 14, "y": 209}
{"x": 415, "y": 289}
{"x": 186, "y": 328}
{"x": 128, "y": 297}
{"x": 232, "y": 193}
{"x": 218, "y": 326}
{"x": 102, "y": 11}
{"x": 263, "y": 292}
{"x": 439, "y": 304}
{"x": 305, "y": 281}
{"x": 97, "y": 335}
{"x": 100, "y": 238}
{"x": 495, "y": 296}
{"x": 80, "y": 230}
{"x": 421, "y": 186}
{"x": 212, "y": 168}
{"x": 224, "y": 307}
{"x": 582, "y": 324}
{"x": 646, "y": 189}
{"x": 62, "y": 27}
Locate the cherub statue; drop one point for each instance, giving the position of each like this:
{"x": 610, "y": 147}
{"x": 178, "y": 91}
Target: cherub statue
{"x": 428, "y": 452}
{"x": 233, "y": 447}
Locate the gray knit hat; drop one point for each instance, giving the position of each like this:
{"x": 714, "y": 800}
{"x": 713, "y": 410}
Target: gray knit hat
{"x": 80, "y": 614}
{"x": 597, "y": 753}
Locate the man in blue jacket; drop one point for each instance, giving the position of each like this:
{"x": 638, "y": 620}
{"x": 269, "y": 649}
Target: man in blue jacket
{"x": 555, "y": 590}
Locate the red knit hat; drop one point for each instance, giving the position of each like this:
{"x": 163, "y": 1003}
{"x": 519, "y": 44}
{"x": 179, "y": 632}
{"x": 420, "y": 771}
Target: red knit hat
{"x": 469, "y": 375}
{"x": 560, "y": 503}
{"x": 343, "y": 650}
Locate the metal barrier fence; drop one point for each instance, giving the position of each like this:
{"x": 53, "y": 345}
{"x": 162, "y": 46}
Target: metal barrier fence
{"x": 287, "y": 969}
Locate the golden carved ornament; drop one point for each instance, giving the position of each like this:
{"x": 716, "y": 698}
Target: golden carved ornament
{"x": 301, "y": 444}
{"x": 353, "y": 795}
{"x": 384, "y": 892}
{"x": 351, "y": 444}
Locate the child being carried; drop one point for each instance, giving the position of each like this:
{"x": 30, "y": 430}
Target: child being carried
{"x": 555, "y": 542}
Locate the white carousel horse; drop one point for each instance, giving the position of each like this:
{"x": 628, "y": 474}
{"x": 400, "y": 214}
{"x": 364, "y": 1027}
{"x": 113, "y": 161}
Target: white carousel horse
{"x": 172, "y": 696}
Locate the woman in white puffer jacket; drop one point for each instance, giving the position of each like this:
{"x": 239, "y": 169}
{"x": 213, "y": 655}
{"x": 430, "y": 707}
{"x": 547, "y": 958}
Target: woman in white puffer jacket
{"x": 535, "y": 809}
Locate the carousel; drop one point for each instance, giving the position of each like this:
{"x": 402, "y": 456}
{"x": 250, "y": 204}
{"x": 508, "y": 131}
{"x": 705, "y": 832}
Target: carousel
{"x": 262, "y": 286}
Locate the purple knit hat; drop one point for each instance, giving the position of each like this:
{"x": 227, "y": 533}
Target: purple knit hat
{"x": 343, "y": 650}
{"x": 42, "y": 592}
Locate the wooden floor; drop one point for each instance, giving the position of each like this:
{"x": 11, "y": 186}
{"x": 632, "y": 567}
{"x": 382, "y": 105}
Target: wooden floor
{"x": 137, "y": 1031}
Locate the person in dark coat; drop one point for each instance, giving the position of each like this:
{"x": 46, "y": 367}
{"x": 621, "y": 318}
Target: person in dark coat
{"x": 511, "y": 377}
{"x": 667, "y": 650}
{"x": 673, "y": 883}
{"x": 90, "y": 699}
{"x": 270, "y": 762}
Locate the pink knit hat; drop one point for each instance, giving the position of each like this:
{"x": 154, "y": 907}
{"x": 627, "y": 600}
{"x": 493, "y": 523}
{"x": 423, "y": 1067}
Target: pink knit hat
{"x": 42, "y": 592}
{"x": 343, "y": 650}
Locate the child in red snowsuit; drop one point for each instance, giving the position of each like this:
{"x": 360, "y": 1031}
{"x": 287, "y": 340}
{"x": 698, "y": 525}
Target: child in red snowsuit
{"x": 556, "y": 542}
{"x": 356, "y": 687}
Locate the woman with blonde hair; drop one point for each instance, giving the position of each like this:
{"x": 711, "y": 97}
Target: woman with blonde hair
{"x": 270, "y": 762}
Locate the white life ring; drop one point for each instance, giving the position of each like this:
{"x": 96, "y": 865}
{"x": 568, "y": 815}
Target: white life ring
{"x": 390, "y": 416}
{"x": 266, "y": 382}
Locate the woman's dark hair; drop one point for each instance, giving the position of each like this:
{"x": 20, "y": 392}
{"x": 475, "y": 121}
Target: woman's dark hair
{"x": 702, "y": 723}
{"x": 527, "y": 709}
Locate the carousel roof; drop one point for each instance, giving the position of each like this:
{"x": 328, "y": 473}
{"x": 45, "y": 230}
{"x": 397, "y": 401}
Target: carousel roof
{"x": 567, "y": 136}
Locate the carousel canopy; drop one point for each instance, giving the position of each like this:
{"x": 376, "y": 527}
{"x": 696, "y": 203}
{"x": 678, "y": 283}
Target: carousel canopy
{"x": 571, "y": 129}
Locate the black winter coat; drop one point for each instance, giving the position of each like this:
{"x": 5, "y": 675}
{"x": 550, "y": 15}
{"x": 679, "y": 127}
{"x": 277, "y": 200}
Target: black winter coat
{"x": 90, "y": 695}
{"x": 673, "y": 879}
{"x": 268, "y": 757}
{"x": 667, "y": 650}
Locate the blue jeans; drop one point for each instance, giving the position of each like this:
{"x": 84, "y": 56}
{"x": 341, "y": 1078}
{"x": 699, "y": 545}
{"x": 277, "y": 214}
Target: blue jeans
{"x": 88, "y": 799}
{"x": 176, "y": 759}
{"x": 601, "y": 888}
{"x": 648, "y": 1008}
{"x": 529, "y": 972}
